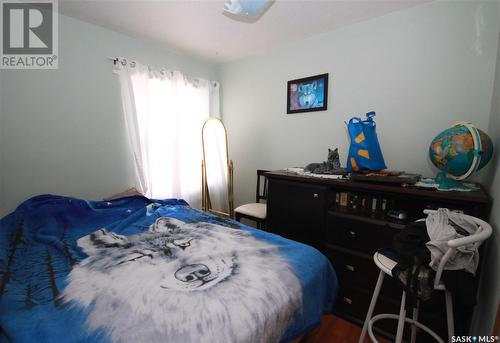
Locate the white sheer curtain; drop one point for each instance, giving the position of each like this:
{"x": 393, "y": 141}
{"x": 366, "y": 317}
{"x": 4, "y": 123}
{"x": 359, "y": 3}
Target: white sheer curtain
{"x": 164, "y": 113}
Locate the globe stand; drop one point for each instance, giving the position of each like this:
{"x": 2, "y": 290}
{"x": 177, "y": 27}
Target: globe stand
{"x": 448, "y": 184}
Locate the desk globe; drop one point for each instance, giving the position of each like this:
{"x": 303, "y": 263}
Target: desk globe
{"x": 459, "y": 152}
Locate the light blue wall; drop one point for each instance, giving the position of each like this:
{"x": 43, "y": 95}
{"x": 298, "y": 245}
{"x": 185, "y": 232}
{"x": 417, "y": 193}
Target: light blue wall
{"x": 489, "y": 291}
{"x": 63, "y": 130}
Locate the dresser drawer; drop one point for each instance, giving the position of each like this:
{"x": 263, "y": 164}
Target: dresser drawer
{"x": 353, "y": 269}
{"x": 359, "y": 270}
{"x": 297, "y": 210}
{"x": 358, "y": 236}
{"x": 353, "y": 302}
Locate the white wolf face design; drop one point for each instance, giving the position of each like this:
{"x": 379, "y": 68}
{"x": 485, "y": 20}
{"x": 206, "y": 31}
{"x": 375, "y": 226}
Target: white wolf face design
{"x": 307, "y": 96}
{"x": 182, "y": 282}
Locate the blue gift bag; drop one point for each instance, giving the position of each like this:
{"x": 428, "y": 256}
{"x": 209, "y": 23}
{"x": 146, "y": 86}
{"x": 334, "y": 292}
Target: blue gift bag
{"x": 364, "y": 152}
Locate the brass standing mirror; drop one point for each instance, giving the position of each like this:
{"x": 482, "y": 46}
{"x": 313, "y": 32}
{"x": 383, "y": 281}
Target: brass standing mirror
{"x": 217, "y": 170}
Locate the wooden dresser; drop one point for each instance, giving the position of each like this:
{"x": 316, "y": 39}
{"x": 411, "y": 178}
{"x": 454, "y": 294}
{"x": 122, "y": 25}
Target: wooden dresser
{"x": 346, "y": 220}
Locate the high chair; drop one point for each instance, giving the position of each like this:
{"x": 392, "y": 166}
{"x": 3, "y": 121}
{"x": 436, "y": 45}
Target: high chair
{"x": 386, "y": 265}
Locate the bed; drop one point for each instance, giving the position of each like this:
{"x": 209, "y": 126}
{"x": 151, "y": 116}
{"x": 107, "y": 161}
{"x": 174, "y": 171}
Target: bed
{"x": 140, "y": 270}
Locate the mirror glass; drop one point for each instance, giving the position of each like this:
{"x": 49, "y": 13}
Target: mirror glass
{"x": 217, "y": 173}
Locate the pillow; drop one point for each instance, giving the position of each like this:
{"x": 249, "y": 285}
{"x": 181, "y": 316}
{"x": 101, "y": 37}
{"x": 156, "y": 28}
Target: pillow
{"x": 128, "y": 193}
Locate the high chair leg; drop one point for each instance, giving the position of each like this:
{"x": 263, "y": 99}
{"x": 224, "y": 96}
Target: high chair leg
{"x": 373, "y": 302}
{"x": 415, "y": 318}
{"x": 401, "y": 320}
{"x": 449, "y": 314}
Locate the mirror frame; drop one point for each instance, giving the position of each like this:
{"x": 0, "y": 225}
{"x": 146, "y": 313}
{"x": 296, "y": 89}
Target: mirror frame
{"x": 205, "y": 195}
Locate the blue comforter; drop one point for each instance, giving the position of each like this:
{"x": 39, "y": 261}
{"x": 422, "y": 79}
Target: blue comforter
{"x": 136, "y": 270}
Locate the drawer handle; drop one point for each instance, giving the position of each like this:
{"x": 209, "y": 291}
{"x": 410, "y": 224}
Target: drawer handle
{"x": 349, "y": 267}
{"x": 347, "y": 300}
{"x": 352, "y": 233}
{"x": 315, "y": 195}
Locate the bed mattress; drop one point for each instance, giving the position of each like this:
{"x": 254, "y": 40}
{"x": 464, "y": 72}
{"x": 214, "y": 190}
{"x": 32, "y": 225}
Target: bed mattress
{"x": 140, "y": 270}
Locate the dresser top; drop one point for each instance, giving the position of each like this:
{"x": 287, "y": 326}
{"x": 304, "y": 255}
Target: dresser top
{"x": 480, "y": 196}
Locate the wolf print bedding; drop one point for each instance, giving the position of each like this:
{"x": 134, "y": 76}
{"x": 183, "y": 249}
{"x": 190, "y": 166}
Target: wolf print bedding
{"x": 137, "y": 270}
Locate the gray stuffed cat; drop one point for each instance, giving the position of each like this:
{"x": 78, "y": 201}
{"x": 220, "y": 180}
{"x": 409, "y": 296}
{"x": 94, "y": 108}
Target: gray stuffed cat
{"x": 331, "y": 166}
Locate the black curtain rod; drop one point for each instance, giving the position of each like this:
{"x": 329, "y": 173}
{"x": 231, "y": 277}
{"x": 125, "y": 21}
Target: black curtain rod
{"x": 114, "y": 59}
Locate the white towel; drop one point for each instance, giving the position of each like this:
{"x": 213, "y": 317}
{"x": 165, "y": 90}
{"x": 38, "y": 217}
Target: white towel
{"x": 442, "y": 226}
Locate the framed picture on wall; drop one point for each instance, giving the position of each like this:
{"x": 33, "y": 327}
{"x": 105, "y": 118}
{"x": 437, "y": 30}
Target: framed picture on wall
{"x": 307, "y": 94}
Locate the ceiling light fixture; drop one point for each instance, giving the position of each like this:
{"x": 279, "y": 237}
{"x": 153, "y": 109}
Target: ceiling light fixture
{"x": 247, "y": 8}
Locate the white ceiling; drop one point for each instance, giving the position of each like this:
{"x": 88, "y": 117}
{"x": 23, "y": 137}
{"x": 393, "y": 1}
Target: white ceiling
{"x": 200, "y": 27}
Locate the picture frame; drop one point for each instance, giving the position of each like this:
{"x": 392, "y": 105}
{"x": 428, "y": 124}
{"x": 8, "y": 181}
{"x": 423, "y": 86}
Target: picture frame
{"x": 307, "y": 94}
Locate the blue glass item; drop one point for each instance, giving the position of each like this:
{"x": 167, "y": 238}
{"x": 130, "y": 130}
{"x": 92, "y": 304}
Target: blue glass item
{"x": 250, "y": 8}
{"x": 364, "y": 149}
